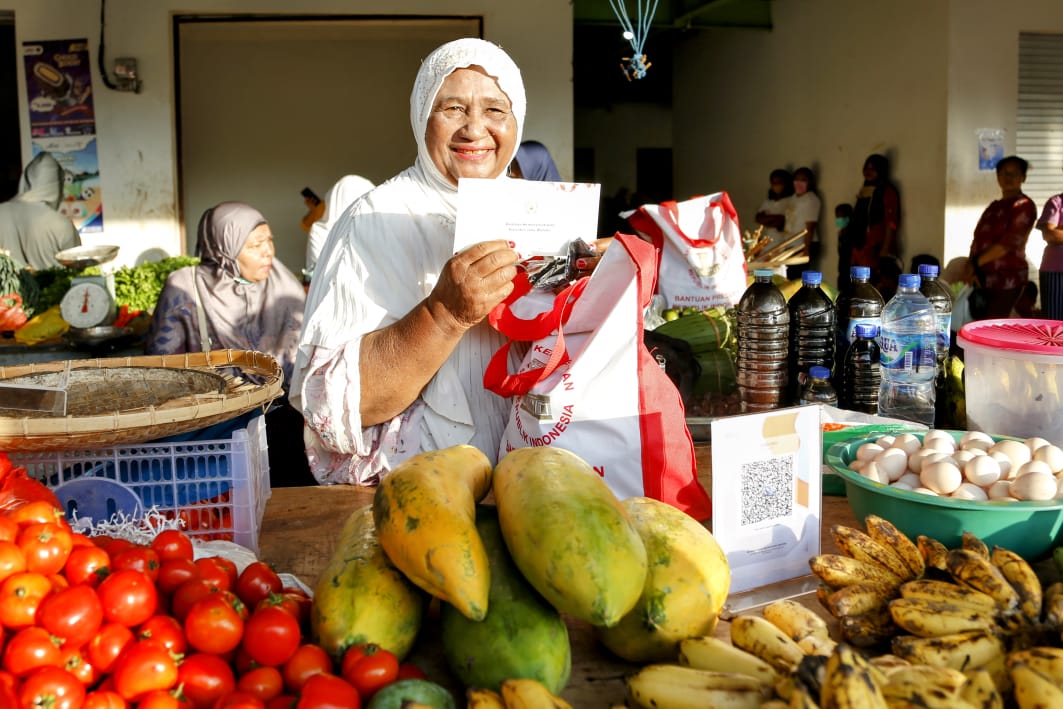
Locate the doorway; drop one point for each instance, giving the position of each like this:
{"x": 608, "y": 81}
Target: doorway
{"x": 10, "y": 138}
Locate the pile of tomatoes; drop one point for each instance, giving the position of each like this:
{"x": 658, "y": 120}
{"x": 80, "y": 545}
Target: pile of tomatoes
{"x": 104, "y": 623}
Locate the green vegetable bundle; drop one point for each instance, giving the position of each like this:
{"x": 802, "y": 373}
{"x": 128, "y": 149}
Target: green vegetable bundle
{"x": 137, "y": 287}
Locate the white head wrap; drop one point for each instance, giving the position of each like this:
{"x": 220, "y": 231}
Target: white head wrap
{"x": 440, "y": 64}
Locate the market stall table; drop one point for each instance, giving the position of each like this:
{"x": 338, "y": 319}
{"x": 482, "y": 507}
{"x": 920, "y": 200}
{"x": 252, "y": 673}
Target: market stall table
{"x": 299, "y": 533}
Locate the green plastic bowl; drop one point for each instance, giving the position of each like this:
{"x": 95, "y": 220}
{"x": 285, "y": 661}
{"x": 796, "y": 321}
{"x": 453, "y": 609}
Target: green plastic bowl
{"x": 1030, "y": 529}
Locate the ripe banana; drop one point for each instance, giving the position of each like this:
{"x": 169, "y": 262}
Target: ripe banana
{"x": 859, "y": 545}
{"x": 675, "y": 687}
{"x": 961, "y": 651}
{"x": 526, "y": 693}
{"x": 868, "y": 629}
{"x": 715, "y": 655}
{"x": 971, "y": 542}
{"x": 1046, "y": 660}
{"x": 932, "y": 619}
{"x": 934, "y": 552}
{"x": 801, "y": 698}
{"x": 889, "y": 662}
{"x": 837, "y": 570}
{"x": 933, "y": 590}
{"x": 944, "y": 678}
{"x": 915, "y": 693}
{"x": 482, "y": 698}
{"x": 796, "y": 620}
{"x": 756, "y": 635}
{"x": 775, "y": 704}
{"x": 848, "y": 683}
{"x": 1023, "y": 579}
{"x": 975, "y": 571}
{"x": 1053, "y": 605}
{"x": 815, "y": 645}
{"x": 1034, "y": 690}
{"x": 979, "y": 691}
{"x": 858, "y": 599}
{"x": 883, "y": 532}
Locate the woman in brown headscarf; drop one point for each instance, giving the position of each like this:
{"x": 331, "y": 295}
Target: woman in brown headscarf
{"x": 250, "y": 301}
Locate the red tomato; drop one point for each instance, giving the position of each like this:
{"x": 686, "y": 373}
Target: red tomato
{"x": 239, "y": 606}
{"x": 129, "y": 597}
{"x": 113, "y": 545}
{"x": 285, "y": 701}
{"x": 139, "y": 558}
{"x": 173, "y": 544}
{"x": 266, "y": 683}
{"x": 36, "y": 512}
{"x": 52, "y": 687}
{"x": 376, "y": 668}
{"x": 173, "y": 573}
{"x": 213, "y": 625}
{"x": 327, "y": 691}
{"x": 408, "y": 670}
{"x": 256, "y": 582}
{"x": 12, "y": 560}
{"x": 239, "y": 700}
{"x": 271, "y": 636}
{"x": 81, "y": 540}
{"x": 72, "y": 614}
{"x": 105, "y": 699}
{"x": 29, "y": 649}
{"x": 8, "y": 529}
{"x": 164, "y": 630}
{"x": 87, "y": 565}
{"x": 218, "y": 570}
{"x": 108, "y": 645}
{"x": 163, "y": 699}
{"x": 20, "y": 596}
{"x": 142, "y": 668}
{"x": 46, "y": 546}
{"x": 307, "y": 661}
{"x": 205, "y": 679}
{"x": 76, "y": 662}
{"x": 188, "y": 594}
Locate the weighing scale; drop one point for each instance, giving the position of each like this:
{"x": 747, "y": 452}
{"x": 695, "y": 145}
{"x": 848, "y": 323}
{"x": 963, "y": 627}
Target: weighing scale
{"x": 90, "y": 301}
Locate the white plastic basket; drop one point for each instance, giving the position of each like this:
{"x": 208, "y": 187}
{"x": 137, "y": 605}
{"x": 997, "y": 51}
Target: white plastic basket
{"x": 218, "y": 488}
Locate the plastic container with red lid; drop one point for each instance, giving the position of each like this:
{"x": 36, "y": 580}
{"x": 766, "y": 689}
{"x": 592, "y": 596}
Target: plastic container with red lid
{"x": 1013, "y": 376}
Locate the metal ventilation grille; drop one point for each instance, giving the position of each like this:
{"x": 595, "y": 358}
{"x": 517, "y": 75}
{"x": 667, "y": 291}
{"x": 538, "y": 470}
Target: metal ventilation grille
{"x": 1039, "y": 123}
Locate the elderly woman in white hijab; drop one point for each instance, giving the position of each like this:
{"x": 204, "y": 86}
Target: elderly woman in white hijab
{"x": 340, "y": 196}
{"x": 396, "y": 340}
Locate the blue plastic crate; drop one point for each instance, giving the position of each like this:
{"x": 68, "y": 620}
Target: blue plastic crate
{"x": 218, "y": 487}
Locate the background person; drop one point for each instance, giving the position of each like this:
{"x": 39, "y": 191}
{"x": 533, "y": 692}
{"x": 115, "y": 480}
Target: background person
{"x": 772, "y": 211}
{"x": 802, "y": 212}
{"x": 534, "y": 162}
{"x": 876, "y": 217}
{"x": 31, "y": 229}
{"x": 340, "y": 196}
{"x": 998, "y": 250}
{"x": 843, "y": 213}
{"x": 1051, "y": 272}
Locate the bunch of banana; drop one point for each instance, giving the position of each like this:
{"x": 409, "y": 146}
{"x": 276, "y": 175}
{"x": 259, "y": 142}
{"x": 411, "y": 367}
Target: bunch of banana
{"x": 669, "y": 686}
{"x": 516, "y": 693}
{"x": 1038, "y": 676}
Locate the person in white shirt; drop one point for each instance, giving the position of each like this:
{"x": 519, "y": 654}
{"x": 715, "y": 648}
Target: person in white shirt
{"x": 771, "y": 214}
{"x": 802, "y": 212}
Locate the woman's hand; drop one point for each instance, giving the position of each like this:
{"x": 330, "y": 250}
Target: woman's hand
{"x": 585, "y": 265}
{"x": 473, "y": 282}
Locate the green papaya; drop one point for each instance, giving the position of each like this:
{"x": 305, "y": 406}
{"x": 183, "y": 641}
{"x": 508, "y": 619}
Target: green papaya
{"x": 412, "y": 691}
{"x": 522, "y": 634}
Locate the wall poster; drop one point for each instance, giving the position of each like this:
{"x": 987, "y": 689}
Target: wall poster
{"x": 63, "y": 122}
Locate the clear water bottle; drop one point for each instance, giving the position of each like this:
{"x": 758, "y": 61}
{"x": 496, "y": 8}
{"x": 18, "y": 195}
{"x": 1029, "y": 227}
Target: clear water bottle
{"x": 812, "y": 326}
{"x": 940, "y": 297}
{"x": 862, "y": 304}
{"x": 908, "y": 354}
{"x": 861, "y": 378}
{"x": 762, "y": 339}
{"x": 817, "y": 388}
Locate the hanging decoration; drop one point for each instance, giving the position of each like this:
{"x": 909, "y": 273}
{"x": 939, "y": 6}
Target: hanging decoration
{"x": 635, "y": 66}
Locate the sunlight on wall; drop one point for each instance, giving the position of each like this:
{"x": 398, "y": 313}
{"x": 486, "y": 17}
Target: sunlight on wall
{"x": 959, "y": 230}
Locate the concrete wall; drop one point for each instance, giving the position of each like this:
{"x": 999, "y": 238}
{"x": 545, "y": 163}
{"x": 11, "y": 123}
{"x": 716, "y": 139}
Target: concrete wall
{"x": 136, "y": 132}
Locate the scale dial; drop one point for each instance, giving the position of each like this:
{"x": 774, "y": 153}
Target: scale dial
{"x": 87, "y": 304}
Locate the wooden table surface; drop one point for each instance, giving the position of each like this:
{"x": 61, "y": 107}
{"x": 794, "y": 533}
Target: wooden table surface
{"x": 299, "y": 533}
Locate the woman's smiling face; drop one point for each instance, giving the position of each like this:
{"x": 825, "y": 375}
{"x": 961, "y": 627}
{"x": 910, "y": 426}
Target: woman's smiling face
{"x": 471, "y": 131}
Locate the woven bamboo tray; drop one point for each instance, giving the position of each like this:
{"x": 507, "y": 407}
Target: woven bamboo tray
{"x": 242, "y": 381}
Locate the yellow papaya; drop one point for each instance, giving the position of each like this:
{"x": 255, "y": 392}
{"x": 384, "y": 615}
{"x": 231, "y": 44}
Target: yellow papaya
{"x": 687, "y": 582}
{"x": 360, "y": 597}
{"x": 425, "y": 513}
{"x": 568, "y": 534}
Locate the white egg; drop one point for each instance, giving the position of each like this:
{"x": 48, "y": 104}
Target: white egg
{"x": 961, "y": 457}
{"x": 915, "y": 460}
{"x": 893, "y": 462}
{"x": 976, "y": 439}
{"x": 925, "y": 491}
{"x": 1034, "y": 486}
{"x": 872, "y": 471}
{"x": 908, "y": 441}
{"x": 1016, "y": 451}
{"x": 941, "y": 477}
{"x": 911, "y": 480}
{"x": 1053, "y": 455}
{"x": 969, "y": 491}
{"x": 976, "y": 451}
{"x": 945, "y": 444}
{"x": 1006, "y": 468}
{"x": 857, "y": 465}
{"x": 1035, "y": 442}
{"x": 901, "y": 486}
{"x": 999, "y": 490}
{"x": 868, "y": 451}
{"x": 885, "y": 441}
{"x": 982, "y": 470}
{"x": 1059, "y": 486}
{"x": 1033, "y": 466}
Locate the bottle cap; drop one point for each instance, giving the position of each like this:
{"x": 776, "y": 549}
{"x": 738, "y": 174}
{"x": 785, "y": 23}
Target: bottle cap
{"x": 811, "y": 278}
{"x": 908, "y": 280}
{"x": 862, "y": 272}
{"x": 866, "y": 329}
{"x": 763, "y": 273}
{"x": 928, "y": 270}
{"x": 818, "y": 372}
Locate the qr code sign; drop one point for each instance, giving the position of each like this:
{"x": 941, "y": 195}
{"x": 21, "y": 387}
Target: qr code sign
{"x": 767, "y": 489}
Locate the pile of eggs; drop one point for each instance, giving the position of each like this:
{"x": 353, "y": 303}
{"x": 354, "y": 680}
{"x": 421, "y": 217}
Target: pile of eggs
{"x": 974, "y": 468}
